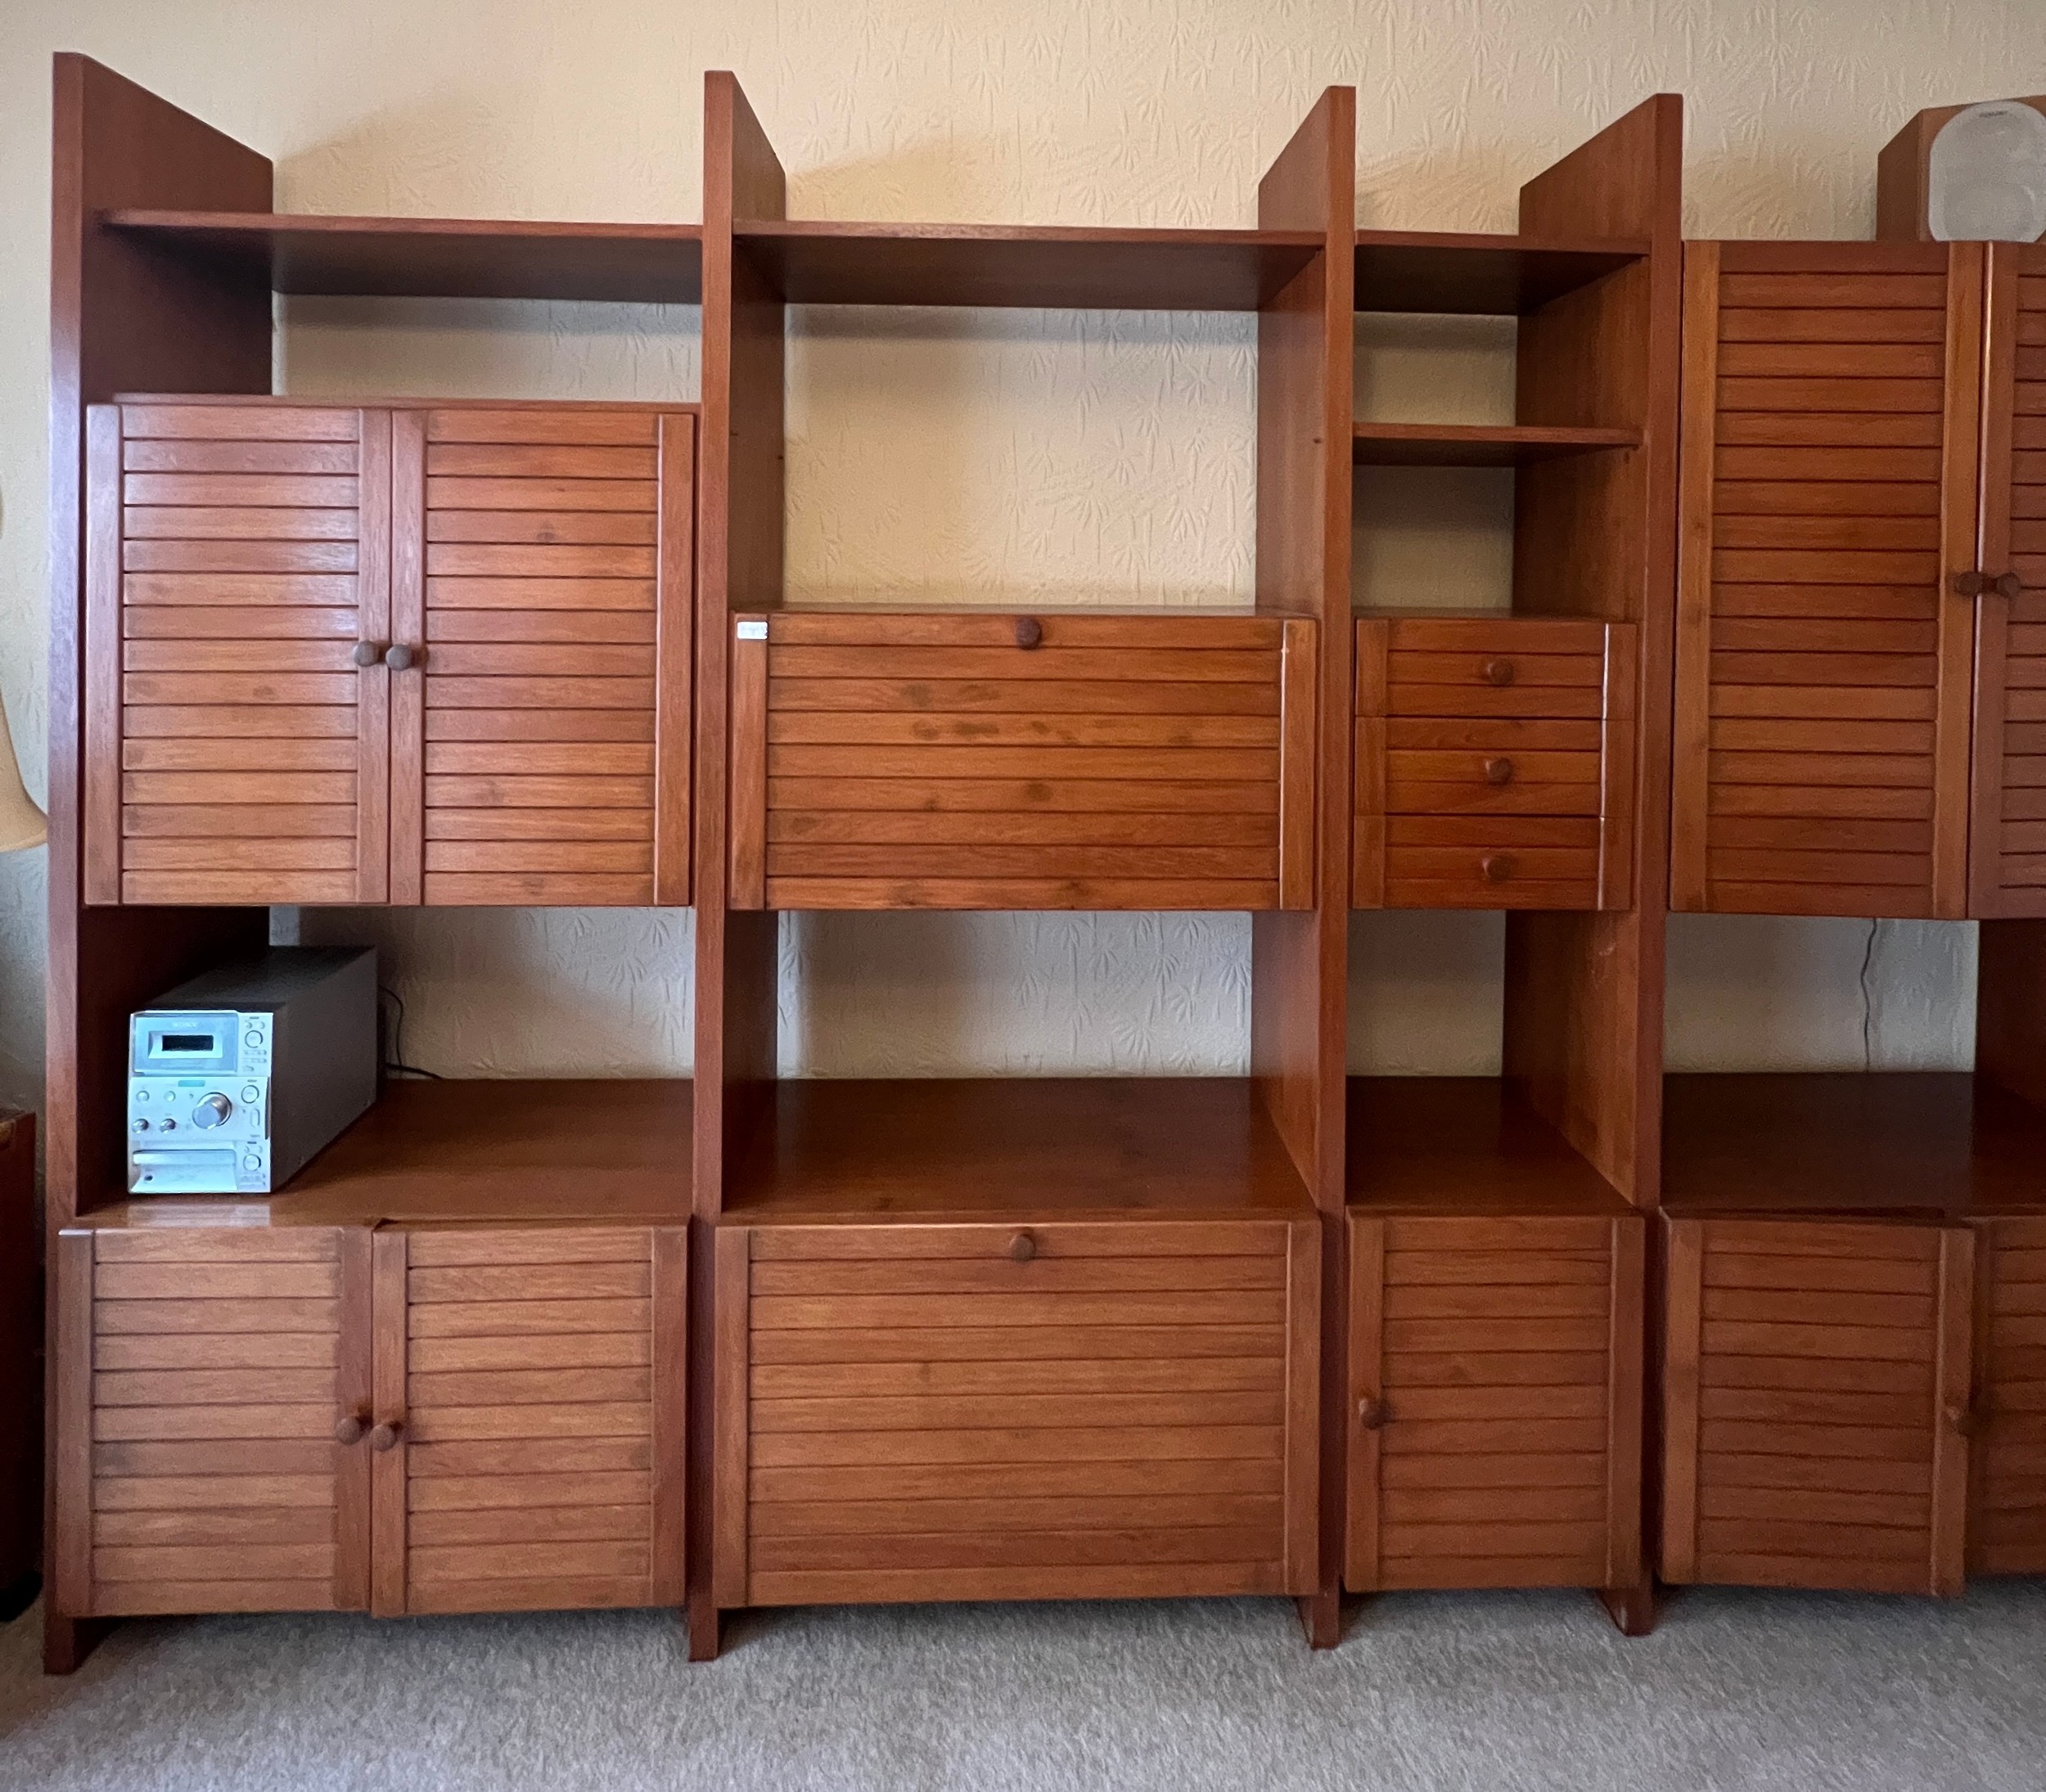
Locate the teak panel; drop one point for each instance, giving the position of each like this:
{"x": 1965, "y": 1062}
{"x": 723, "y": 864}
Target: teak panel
{"x": 2006, "y": 1524}
{"x": 1495, "y": 1412}
{"x": 530, "y": 1408}
{"x": 1824, "y": 652}
{"x": 234, "y": 750}
{"x": 1817, "y": 1404}
{"x": 546, "y": 573}
{"x": 1494, "y": 763}
{"x": 925, "y": 760}
{"x": 2008, "y": 845}
{"x": 202, "y": 1376}
{"x": 1055, "y": 1411}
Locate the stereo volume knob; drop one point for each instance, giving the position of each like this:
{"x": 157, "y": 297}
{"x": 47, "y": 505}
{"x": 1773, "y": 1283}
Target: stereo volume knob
{"x": 212, "y": 1111}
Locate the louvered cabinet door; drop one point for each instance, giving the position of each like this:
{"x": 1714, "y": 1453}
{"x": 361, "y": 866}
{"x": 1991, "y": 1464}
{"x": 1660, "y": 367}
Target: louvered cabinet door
{"x": 1495, "y": 1411}
{"x": 237, "y": 563}
{"x": 544, "y": 582}
{"x": 1816, "y": 1404}
{"x": 201, "y": 1377}
{"x": 2006, "y": 1527}
{"x": 530, "y": 1453}
{"x": 1068, "y": 1410}
{"x": 1830, "y": 468}
{"x": 934, "y": 761}
{"x": 2007, "y": 856}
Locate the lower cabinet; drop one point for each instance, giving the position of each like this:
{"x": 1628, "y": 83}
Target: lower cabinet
{"x": 1072, "y": 1410}
{"x": 2007, "y": 1531}
{"x": 1495, "y": 1412}
{"x": 1817, "y": 1406}
{"x": 429, "y": 1419}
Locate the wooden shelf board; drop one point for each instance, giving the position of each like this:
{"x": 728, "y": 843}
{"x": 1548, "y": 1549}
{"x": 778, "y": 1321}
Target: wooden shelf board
{"x": 608, "y": 1150}
{"x": 1471, "y": 275}
{"x": 1016, "y": 1148}
{"x": 816, "y": 262}
{"x": 435, "y": 258}
{"x": 1462, "y": 444}
{"x": 1463, "y": 1145}
{"x": 1936, "y": 1142}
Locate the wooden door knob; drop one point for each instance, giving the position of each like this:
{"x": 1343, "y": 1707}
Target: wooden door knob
{"x": 1372, "y": 1414}
{"x": 352, "y": 1429}
{"x": 385, "y": 1437}
{"x": 2010, "y": 585}
{"x": 1499, "y": 771}
{"x": 1030, "y": 632}
{"x": 400, "y": 658}
{"x": 1022, "y": 1247}
{"x": 1499, "y": 671}
{"x": 1496, "y": 866}
{"x": 369, "y": 653}
{"x": 1971, "y": 583}
{"x": 1962, "y": 1419}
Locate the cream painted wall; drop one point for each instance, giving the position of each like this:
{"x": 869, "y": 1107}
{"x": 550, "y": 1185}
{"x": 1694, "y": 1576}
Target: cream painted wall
{"x": 1047, "y": 458}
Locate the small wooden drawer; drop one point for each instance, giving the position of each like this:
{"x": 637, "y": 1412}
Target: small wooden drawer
{"x": 1495, "y": 764}
{"x": 1074, "y": 1410}
{"x": 908, "y": 760}
{"x": 1495, "y": 1408}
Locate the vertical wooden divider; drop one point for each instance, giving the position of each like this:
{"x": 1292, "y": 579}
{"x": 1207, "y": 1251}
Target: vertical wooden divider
{"x": 1299, "y": 1013}
{"x": 122, "y": 319}
{"x": 739, "y": 567}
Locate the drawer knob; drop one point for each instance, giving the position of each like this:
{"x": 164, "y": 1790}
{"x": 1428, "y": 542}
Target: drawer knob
{"x": 401, "y": 658}
{"x": 368, "y": 653}
{"x": 1496, "y": 866}
{"x": 1030, "y": 632}
{"x": 2010, "y": 585}
{"x": 352, "y": 1428}
{"x": 1499, "y": 671}
{"x": 1971, "y": 583}
{"x": 1499, "y": 771}
{"x": 1962, "y": 1419}
{"x": 385, "y": 1436}
{"x": 1022, "y": 1247}
{"x": 1372, "y": 1414}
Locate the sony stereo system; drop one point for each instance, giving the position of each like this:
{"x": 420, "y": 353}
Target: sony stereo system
{"x": 238, "y": 1078}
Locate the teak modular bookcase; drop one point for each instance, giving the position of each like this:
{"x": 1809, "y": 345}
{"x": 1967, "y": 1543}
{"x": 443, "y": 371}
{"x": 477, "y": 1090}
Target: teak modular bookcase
{"x": 738, "y": 1341}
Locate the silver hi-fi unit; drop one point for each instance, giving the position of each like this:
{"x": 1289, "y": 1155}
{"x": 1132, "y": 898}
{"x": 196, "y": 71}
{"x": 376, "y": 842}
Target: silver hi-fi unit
{"x": 238, "y": 1078}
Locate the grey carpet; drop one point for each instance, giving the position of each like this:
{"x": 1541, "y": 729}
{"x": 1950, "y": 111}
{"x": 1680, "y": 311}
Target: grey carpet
{"x": 1480, "y": 1691}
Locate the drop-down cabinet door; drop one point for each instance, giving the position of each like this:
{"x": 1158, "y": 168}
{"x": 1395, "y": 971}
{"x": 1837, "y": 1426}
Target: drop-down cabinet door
{"x": 209, "y": 1432}
{"x": 1817, "y": 1403}
{"x": 543, "y": 582}
{"x": 237, "y": 609}
{"x": 893, "y": 760}
{"x": 2008, "y": 848}
{"x": 1075, "y": 1410}
{"x": 529, "y": 1445}
{"x": 1495, "y": 1412}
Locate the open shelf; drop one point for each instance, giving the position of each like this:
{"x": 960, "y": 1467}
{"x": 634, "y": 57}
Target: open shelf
{"x": 1463, "y": 1145}
{"x": 1479, "y": 275}
{"x": 978, "y": 1148}
{"x": 433, "y": 258}
{"x": 1942, "y": 1142}
{"x": 813, "y": 262}
{"x": 1478, "y": 444}
{"x": 480, "y": 1150}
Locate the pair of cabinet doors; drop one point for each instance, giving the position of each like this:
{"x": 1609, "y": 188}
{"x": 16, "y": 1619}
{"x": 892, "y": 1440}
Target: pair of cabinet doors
{"x": 1858, "y": 1404}
{"x": 393, "y": 654}
{"x": 335, "y": 1418}
{"x": 1861, "y": 651}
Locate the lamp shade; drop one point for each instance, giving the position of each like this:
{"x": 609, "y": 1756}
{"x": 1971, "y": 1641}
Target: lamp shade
{"x": 22, "y": 824}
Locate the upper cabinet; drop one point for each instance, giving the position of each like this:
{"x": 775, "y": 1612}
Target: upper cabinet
{"x": 921, "y": 760}
{"x": 404, "y": 654}
{"x": 1861, "y": 567}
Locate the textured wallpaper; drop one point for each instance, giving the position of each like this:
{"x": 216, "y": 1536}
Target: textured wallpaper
{"x": 1047, "y": 458}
